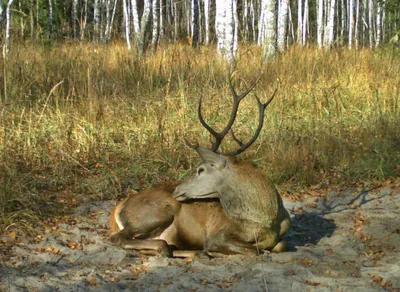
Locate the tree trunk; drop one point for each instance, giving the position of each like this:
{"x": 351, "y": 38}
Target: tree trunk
{"x": 195, "y": 23}
{"x": 300, "y": 22}
{"x": 207, "y": 21}
{"x": 224, "y": 27}
{"x": 320, "y": 23}
{"x": 329, "y": 29}
{"x": 370, "y": 24}
{"x": 351, "y": 22}
{"x": 74, "y": 16}
{"x": 356, "y": 37}
{"x": 50, "y": 19}
{"x": 1, "y": 14}
{"x": 84, "y": 20}
{"x": 305, "y": 23}
{"x": 282, "y": 24}
{"x": 268, "y": 26}
{"x": 31, "y": 15}
{"x": 156, "y": 24}
{"x": 135, "y": 19}
{"x": 145, "y": 27}
{"x": 378, "y": 23}
{"x": 8, "y": 26}
{"x": 127, "y": 24}
{"x": 96, "y": 20}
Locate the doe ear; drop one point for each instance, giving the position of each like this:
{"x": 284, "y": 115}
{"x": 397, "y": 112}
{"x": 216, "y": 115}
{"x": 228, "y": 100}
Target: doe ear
{"x": 211, "y": 157}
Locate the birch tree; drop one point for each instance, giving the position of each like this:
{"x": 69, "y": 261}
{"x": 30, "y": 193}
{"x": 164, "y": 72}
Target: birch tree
{"x": 50, "y": 19}
{"x": 225, "y": 29}
{"x": 127, "y": 24}
{"x": 207, "y": 21}
{"x": 1, "y": 13}
{"x": 145, "y": 27}
{"x": 282, "y": 24}
{"x": 84, "y": 19}
{"x": 378, "y": 23}
{"x": 370, "y": 23}
{"x": 135, "y": 18}
{"x": 74, "y": 18}
{"x": 8, "y": 26}
{"x": 351, "y": 22}
{"x": 96, "y": 19}
{"x": 267, "y": 25}
{"x": 329, "y": 28}
{"x": 305, "y": 22}
{"x": 300, "y": 21}
{"x": 156, "y": 24}
{"x": 320, "y": 23}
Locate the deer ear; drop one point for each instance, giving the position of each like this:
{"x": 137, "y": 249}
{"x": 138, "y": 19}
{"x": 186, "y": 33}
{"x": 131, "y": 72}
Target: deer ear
{"x": 211, "y": 157}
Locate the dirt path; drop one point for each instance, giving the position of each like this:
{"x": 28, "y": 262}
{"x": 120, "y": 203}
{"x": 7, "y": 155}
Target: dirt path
{"x": 345, "y": 241}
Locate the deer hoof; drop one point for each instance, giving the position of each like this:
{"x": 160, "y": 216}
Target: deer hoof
{"x": 281, "y": 246}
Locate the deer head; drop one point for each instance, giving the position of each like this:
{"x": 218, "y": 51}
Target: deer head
{"x": 212, "y": 177}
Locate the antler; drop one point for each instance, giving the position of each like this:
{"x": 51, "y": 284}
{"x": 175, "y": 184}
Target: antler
{"x": 219, "y": 136}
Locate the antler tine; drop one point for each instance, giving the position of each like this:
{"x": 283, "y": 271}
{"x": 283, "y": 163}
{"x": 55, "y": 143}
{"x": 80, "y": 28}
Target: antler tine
{"x": 216, "y": 143}
{"x": 219, "y": 136}
{"x": 261, "y": 109}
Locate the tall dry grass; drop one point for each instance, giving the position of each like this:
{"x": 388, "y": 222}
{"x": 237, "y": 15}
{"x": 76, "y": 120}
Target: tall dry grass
{"x": 97, "y": 120}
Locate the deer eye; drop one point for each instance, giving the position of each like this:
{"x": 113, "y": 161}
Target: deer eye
{"x": 200, "y": 170}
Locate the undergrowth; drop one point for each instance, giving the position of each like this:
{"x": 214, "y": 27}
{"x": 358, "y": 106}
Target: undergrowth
{"x": 95, "y": 120}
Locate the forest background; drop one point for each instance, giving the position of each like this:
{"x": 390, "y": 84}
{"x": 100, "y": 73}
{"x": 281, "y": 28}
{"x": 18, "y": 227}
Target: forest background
{"x": 96, "y": 96}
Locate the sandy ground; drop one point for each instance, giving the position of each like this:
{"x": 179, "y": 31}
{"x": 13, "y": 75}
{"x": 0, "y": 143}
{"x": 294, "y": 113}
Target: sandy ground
{"x": 341, "y": 241}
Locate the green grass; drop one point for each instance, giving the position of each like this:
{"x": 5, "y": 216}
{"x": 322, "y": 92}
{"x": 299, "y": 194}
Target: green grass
{"x": 96, "y": 120}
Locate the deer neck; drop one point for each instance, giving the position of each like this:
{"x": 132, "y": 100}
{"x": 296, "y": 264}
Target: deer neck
{"x": 249, "y": 203}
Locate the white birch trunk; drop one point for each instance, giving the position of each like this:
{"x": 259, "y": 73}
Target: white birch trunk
{"x": 127, "y": 24}
{"x": 108, "y": 20}
{"x": 224, "y": 28}
{"x": 50, "y": 18}
{"x": 245, "y": 20}
{"x": 378, "y": 23}
{"x": 207, "y": 21}
{"x": 261, "y": 25}
{"x": 135, "y": 18}
{"x": 342, "y": 21}
{"x": 320, "y": 23}
{"x": 162, "y": 20}
{"x": 1, "y": 13}
{"x": 370, "y": 23}
{"x": 236, "y": 27}
{"x": 156, "y": 24}
{"x": 145, "y": 26}
{"x": 96, "y": 19}
{"x": 253, "y": 21}
{"x": 351, "y": 22}
{"x": 84, "y": 21}
{"x": 282, "y": 24}
{"x": 268, "y": 28}
{"x": 357, "y": 14}
{"x": 8, "y": 26}
{"x": 305, "y": 23}
{"x": 329, "y": 29}
{"x": 300, "y": 22}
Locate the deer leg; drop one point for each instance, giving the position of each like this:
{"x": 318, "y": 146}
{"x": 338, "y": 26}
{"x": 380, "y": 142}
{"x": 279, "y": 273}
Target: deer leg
{"x": 222, "y": 244}
{"x": 149, "y": 246}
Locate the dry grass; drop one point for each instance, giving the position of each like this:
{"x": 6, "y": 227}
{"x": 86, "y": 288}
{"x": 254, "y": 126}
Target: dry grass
{"x": 96, "y": 120}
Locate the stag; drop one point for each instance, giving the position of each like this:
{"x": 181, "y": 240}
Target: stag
{"x": 226, "y": 207}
